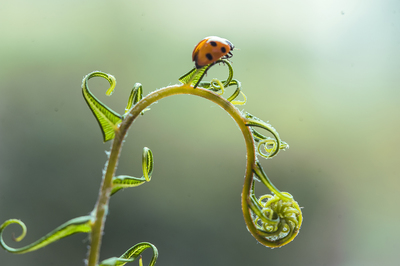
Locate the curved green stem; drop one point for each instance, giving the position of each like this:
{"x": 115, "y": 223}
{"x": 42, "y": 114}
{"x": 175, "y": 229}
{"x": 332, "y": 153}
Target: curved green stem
{"x": 275, "y": 232}
{"x": 101, "y": 207}
{"x": 106, "y": 187}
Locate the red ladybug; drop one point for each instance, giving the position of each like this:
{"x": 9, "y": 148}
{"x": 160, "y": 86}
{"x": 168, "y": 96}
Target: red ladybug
{"x": 211, "y": 49}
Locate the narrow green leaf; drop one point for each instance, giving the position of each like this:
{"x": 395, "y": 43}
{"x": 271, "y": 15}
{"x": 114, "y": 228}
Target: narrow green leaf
{"x": 76, "y": 225}
{"x": 147, "y": 163}
{"x": 194, "y": 76}
{"x": 125, "y": 181}
{"x": 186, "y": 77}
{"x": 107, "y": 118}
{"x": 132, "y": 254}
{"x": 135, "y": 97}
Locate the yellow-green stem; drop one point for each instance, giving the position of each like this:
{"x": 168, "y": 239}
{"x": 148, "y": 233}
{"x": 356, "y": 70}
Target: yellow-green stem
{"x": 105, "y": 191}
{"x": 101, "y": 207}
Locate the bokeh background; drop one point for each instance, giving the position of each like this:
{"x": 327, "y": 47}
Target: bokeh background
{"x": 325, "y": 74}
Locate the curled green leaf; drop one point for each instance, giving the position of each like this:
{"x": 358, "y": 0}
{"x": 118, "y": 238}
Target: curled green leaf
{"x": 125, "y": 181}
{"x": 107, "y": 118}
{"x": 76, "y": 225}
{"x": 147, "y": 163}
{"x": 132, "y": 254}
{"x": 194, "y": 76}
{"x": 213, "y": 87}
{"x": 135, "y": 97}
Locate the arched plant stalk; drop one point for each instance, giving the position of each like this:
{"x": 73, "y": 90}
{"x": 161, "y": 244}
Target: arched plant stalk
{"x": 274, "y": 220}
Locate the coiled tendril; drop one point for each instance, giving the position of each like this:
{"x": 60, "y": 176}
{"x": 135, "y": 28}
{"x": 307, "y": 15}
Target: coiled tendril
{"x": 276, "y": 218}
{"x": 273, "y": 219}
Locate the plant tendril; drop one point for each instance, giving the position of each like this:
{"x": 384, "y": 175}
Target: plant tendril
{"x": 76, "y": 225}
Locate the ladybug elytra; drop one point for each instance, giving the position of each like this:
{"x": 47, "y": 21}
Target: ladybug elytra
{"x": 211, "y": 49}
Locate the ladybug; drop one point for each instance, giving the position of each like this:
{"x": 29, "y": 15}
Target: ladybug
{"x": 211, "y": 49}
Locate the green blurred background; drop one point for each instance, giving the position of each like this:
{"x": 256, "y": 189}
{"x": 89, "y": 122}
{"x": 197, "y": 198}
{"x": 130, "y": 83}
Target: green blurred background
{"x": 325, "y": 74}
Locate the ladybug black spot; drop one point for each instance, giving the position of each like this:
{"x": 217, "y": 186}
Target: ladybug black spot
{"x": 223, "y": 49}
{"x": 213, "y": 43}
{"x": 209, "y": 56}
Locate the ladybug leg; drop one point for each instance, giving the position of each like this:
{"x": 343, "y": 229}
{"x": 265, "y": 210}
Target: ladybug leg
{"x": 228, "y": 55}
